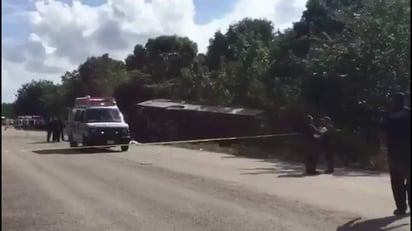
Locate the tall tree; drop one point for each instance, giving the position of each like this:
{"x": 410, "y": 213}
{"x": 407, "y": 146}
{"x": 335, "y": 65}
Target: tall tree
{"x": 358, "y": 59}
{"x": 218, "y": 49}
{"x": 7, "y": 110}
{"x": 38, "y": 98}
{"x": 163, "y": 57}
{"x": 240, "y": 58}
{"x": 98, "y": 76}
{"x": 138, "y": 59}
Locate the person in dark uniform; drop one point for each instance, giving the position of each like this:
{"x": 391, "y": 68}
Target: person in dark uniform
{"x": 49, "y": 129}
{"x": 396, "y": 125}
{"x": 56, "y": 130}
{"x": 61, "y": 127}
{"x": 328, "y": 132}
{"x": 311, "y": 135}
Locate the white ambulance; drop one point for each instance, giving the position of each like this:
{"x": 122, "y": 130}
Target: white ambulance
{"x": 97, "y": 121}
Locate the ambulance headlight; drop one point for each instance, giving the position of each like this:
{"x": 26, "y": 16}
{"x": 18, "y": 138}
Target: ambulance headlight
{"x": 125, "y": 131}
{"x": 92, "y": 130}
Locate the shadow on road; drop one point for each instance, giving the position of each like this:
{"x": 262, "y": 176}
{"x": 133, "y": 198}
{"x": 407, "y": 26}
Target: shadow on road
{"x": 296, "y": 170}
{"x": 281, "y": 171}
{"x": 278, "y": 169}
{"x": 74, "y": 151}
{"x": 40, "y": 142}
{"x": 289, "y": 164}
{"x": 378, "y": 224}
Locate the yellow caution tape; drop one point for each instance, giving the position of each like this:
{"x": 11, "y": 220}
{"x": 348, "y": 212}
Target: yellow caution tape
{"x": 135, "y": 143}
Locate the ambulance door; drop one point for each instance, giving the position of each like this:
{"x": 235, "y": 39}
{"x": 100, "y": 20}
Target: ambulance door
{"x": 78, "y": 120}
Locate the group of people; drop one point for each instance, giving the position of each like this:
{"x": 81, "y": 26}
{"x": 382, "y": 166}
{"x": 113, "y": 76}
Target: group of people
{"x": 55, "y": 130}
{"x": 319, "y": 139}
{"x": 395, "y": 127}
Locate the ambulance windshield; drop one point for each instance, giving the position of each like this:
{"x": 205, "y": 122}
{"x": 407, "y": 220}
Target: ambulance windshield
{"x": 99, "y": 115}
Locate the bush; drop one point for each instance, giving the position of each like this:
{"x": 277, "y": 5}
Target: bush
{"x": 356, "y": 150}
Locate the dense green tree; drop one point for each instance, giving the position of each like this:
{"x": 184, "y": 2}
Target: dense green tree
{"x": 99, "y": 76}
{"x": 218, "y": 49}
{"x": 240, "y": 58}
{"x": 7, "y": 110}
{"x": 138, "y": 59}
{"x": 163, "y": 57}
{"x": 39, "y": 98}
{"x": 354, "y": 71}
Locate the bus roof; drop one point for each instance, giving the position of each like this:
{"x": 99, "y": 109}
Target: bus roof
{"x": 182, "y": 105}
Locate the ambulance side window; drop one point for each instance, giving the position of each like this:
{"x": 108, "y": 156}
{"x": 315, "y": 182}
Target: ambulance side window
{"x": 69, "y": 115}
{"x": 78, "y": 116}
{"x": 73, "y": 115}
{"x": 82, "y": 115}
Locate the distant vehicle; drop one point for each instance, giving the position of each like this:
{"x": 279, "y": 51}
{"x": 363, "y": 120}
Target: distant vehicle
{"x": 96, "y": 121}
{"x": 7, "y": 122}
{"x": 167, "y": 120}
{"x": 30, "y": 122}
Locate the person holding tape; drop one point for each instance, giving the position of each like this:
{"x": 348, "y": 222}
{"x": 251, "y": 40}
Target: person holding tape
{"x": 311, "y": 136}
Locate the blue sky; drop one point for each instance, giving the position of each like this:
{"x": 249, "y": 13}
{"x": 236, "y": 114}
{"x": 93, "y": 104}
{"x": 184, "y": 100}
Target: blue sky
{"x": 12, "y": 25}
{"x": 18, "y": 28}
{"x": 41, "y": 39}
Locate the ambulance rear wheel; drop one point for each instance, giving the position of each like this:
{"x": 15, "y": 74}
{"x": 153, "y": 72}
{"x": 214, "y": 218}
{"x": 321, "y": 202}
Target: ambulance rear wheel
{"x": 72, "y": 143}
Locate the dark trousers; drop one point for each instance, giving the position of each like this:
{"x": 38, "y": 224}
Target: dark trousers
{"x": 330, "y": 160}
{"x": 56, "y": 135}
{"x": 400, "y": 182}
{"x": 49, "y": 133}
{"x": 311, "y": 158}
{"x": 311, "y": 162}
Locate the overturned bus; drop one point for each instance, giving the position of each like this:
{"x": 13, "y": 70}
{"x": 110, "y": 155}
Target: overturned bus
{"x": 168, "y": 120}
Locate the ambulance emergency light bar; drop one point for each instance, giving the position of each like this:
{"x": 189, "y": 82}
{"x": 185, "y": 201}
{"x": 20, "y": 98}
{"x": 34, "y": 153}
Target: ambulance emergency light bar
{"x": 95, "y": 101}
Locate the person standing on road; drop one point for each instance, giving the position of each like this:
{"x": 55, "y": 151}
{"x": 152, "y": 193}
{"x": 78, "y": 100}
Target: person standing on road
{"x": 328, "y": 132}
{"x": 49, "y": 128}
{"x": 311, "y": 134}
{"x": 56, "y": 130}
{"x": 396, "y": 125}
{"x": 61, "y": 127}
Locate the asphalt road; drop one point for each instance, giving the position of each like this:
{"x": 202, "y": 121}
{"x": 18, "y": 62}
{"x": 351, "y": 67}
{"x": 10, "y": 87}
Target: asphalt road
{"x": 165, "y": 188}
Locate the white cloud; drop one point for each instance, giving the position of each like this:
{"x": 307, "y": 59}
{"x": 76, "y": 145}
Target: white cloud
{"x": 13, "y": 76}
{"x": 64, "y": 35}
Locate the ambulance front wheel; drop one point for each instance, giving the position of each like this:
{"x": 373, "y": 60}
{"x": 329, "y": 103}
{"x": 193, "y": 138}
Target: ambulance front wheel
{"x": 124, "y": 148}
